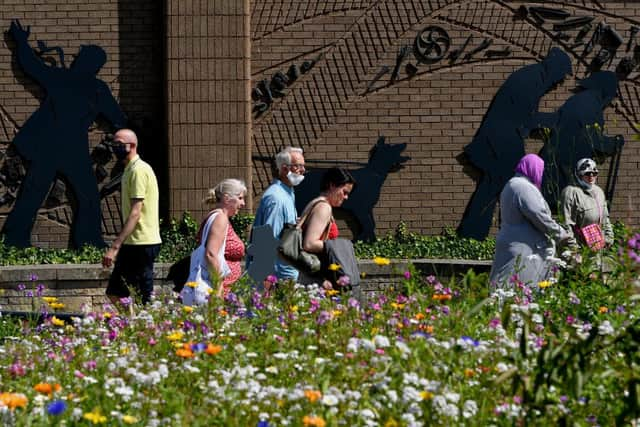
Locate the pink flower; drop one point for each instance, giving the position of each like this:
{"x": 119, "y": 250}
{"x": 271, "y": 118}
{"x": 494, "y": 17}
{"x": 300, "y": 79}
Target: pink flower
{"x": 407, "y": 275}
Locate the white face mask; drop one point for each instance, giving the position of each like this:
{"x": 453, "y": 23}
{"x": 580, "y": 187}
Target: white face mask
{"x": 294, "y": 178}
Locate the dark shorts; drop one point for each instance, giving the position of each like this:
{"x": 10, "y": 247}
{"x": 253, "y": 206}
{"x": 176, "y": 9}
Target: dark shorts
{"x": 133, "y": 270}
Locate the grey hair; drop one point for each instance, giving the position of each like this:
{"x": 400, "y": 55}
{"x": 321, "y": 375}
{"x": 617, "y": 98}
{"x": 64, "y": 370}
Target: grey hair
{"x": 230, "y": 186}
{"x": 284, "y": 156}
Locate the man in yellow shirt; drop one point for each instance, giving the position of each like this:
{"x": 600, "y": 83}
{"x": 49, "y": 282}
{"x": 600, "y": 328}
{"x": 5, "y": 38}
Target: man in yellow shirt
{"x": 137, "y": 246}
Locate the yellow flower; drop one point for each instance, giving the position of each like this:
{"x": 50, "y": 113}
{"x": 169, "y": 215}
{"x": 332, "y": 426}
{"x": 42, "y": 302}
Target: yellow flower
{"x": 336, "y": 313}
{"x": 419, "y": 316}
{"x": 397, "y": 306}
{"x": 603, "y": 309}
{"x": 313, "y": 421}
{"x": 13, "y": 400}
{"x": 293, "y": 309}
{"x": 49, "y": 300}
{"x": 95, "y": 417}
{"x": 469, "y": 372}
{"x": 334, "y": 267}
{"x": 378, "y": 260}
{"x": 56, "y": 321}
{"x": 544, "y": 284}
{"x": 191, "y": 284}
{"x": 175, "y": 336}
{"x": 56, "y": 305}
{"x": 222, "y": 312}
{"x": 129, "y": 419}
{"x": 391, "y": 423}
{"x": 106, "y": 315}
{"x": 332, "y": 292}
{"x": 187, "y": 309}
{"x": 426, "y": 395}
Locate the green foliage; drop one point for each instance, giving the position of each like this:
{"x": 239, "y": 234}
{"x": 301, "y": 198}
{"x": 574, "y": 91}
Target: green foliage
{"x": 405, "y": 244}
{"x": 10, "y": 255}
{"x": 241, "y": 224}
{"x": 178, "y": 238}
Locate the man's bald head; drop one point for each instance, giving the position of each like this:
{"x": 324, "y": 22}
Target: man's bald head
{"x": 125, "y": 136}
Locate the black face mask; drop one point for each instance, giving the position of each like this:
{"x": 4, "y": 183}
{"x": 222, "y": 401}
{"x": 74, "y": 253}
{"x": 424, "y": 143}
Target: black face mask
{"x": 120, "y": 151}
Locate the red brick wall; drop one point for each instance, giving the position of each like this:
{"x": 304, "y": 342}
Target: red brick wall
{"x": 131, "y": 34}
{"x": 332, "y": 115}
{"x": 208, "y": 88}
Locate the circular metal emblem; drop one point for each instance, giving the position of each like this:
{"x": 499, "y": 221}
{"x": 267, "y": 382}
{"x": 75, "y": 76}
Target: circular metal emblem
{"x": 431, "y": 44}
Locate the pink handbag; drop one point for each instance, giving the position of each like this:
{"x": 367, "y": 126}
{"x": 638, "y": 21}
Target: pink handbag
{"x": 592, "y": 236}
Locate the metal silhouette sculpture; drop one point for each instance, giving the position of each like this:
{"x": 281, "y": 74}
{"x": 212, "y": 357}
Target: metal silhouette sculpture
{"x": 499, "y": 142}
{"x": 383, "y": 159}
{"x": 575, "y": 131}
{"x": 54, "y": 140}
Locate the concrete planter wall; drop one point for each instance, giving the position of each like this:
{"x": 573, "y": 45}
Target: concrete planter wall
{"x": 83, "y": 285}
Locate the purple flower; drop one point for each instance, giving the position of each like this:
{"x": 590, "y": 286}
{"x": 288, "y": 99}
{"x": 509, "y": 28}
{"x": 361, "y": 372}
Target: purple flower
{"x": 17, "y": 370}
{"x": 314, "y": 305}
{"x": 198, "y": 347}
{"x": 620, "y": 309}
{"x": 263, "y": 423}
{"x": 470, "y": 340}
{"x": 272, "y": 279}
{"x": 573, "y": 299}
{"x": 21, "y": 287}
{"x": 40, "y": 289}
{"x": 33, "y": 277}
{"x": 344, "y": 280}
{"x": 444, "y": 309}
{"x": 57, "y": 407}
{"x": 570, "y": 320}
{"x": 407, "y": 275}
{"x": 126, "y": 301}
{"x": 353, "y": 303}
{"x": 323, "y": 317}
{"x": 256, "y": 300}
{"x": 494, "y": 323}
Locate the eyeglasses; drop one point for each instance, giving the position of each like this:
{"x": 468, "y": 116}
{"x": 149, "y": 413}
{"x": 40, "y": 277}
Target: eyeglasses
{"x": 297, "y": 166}
{"x": 591, "y": 173}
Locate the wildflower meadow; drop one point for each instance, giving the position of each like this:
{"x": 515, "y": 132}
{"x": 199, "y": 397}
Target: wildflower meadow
{"x": 423, "y": 353}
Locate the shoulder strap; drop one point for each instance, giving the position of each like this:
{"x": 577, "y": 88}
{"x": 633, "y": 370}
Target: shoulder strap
{"x": 207, "y": 227}
{"x": 308, "y": 210}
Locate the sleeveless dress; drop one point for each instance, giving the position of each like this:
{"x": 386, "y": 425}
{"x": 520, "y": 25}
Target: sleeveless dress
{"x": 233, "y": 254}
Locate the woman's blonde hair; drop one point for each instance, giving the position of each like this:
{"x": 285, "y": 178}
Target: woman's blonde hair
{"x": 230, "y": 186}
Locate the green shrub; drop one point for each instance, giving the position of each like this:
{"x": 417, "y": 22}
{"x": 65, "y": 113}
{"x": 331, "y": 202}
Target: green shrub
{"x": 405, "y": 244}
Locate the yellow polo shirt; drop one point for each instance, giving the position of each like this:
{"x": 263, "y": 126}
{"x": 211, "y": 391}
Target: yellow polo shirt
{"x": 139, "y": 182}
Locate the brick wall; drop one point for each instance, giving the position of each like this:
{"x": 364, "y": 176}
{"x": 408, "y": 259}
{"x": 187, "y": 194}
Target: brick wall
{"x": 207, "y": 89}
{"x": 131, "y": 34}
{"x": 337, "y": 110}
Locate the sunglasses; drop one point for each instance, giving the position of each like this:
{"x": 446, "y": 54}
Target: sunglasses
{"x": 591, "y": 173}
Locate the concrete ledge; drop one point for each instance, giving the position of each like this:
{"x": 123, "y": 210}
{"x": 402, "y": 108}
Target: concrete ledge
{"x": 81, "y": 286}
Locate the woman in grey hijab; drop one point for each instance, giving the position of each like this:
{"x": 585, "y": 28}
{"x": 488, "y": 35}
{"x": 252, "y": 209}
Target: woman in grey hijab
{"x": 584, "y": 203}
{"x": 524, "y": 244}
